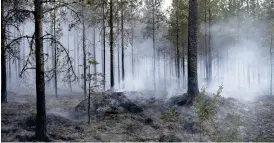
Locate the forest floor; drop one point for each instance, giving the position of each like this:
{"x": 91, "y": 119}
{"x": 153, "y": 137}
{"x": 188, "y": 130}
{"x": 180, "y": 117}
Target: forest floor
{"x": 155, "y": 122}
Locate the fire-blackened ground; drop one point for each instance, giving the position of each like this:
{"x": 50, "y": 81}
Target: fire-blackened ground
{"x": 113, "y": 119}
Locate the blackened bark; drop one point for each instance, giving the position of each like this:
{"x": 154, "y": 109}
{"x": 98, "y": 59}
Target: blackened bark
{"x": 3, "y": 59}
{"x": 183, "y": 65}
{"x": 55, "y": 53}
{"x": 177, "y": 46}
{"x": 132, "y": 40}
{"x": 40, "y": 131}
{"x": 104, "y": 47}
{"x": 123, "y": 48}
{"x": 192, "y": 49}
{"x": 154, "y": 50}
{"x": 89, "y": 89}
{"x": 84, "y": 52}
{"x": 111, "y": 45}
{"x": 69, "y": 76}
{"x": 118, "y": 43}
{"x": 94, "y": 50}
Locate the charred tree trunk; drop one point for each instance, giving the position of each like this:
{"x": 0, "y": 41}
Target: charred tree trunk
{"x": 177, "y": 47}
{"x": 69, "y": 78}
{"x": 165, "y": 68}
{"x": 132, "y": 39}
{"x": 89, "y": 88}
{"x": 123, "y": 48}
{"x": 40, "y": 131}
{"x": 55, "y": 53}
{"x": 3, "y": 58}
{"x": 205, "y": 45}
{"x": 192, "y": 49}
{"x": 94, "y": 50}
{"x": 184, "y": 67}
{"x": 111, "y": 44}
{"x": 84, "y": 52}
{"x": 104, "y": 46}
{"x": 118, "y": 43}
{"x": 271, "y": 66}
{"x": 154, "y": 50}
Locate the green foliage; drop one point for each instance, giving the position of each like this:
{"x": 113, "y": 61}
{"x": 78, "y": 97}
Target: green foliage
{"x": 93, "y": 62}
{"x": 206, "y": 109}
{"x": 171, "y": 115}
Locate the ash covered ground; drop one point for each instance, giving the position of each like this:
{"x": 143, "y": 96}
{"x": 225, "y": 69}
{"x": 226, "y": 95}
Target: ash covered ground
{"x": 137, "y": 116}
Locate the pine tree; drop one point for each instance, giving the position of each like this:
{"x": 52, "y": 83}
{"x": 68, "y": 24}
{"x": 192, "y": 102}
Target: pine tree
{"x": 40, "y": 130}
{"x": 192, "y": 49}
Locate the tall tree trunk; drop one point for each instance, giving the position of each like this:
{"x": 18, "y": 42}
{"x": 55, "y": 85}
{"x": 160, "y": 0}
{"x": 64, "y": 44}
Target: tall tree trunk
{"x": 3, "y": 58}
{"x": 40, "y": 131}
{"x": 10, "y": 72}
{"x": 69, "y": 82}
{"x": 77, "y": 59}
{"x": 271, "y": 66}
{"x": 184, "y": 70}
{"x": 89, "y": 89}
{"x": 177, "y": 46}
{"x": 165, "y": 68}
{"x": 94, "y": 50}
{"x": 118, "y": 43}
{"x": 192, "y": 49}
{"x": 84, "y": 51}
{"x": 24, "y": 48}
{"x": 55, "y": 52}
{"x": 104, "y": 46}
{"x": 154, "y": 50}
{"x": 18, "y": 67}
{"x": 205, "y": 45}
{"x": 75, "y": 41}
{"x": 123, "y": 48}
{"x": 111, "y": 45}
{"x": 132, "y": 38}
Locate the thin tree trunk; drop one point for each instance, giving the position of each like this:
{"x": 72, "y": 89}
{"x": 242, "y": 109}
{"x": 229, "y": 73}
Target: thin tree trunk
{"x": 94, "y": 50}
{"x": 55, "y": 52}
{"x": 78, "y": 59}
{"x": 111, "y": 45}
{"x": 123, "y": 48}
{"x": 165, "y": 68}
{"x": 3, "y": 59}
{"x": 104, "y": 47}
{"x": 69, "y": 82}
{"x": 10, "y": 74}
{"x": 118, "y": 44}
{"x": 40, "y": 131}
{"x": 177, "y": 46}
{"x": 23, "y": 50}
{"x": 89, "y": 88}
{"x": 132, "y": 39}
{"x": 75, "y": 52}
{"x": 271, "y": 66}
{"x": 206, "y": 46}
{"x": 18, "y": 66}
{"x": 154, "y": 50}
{"x": 184, "y": 70}
{"x": 84, "y": 51}
{"x": 192, "y": 49}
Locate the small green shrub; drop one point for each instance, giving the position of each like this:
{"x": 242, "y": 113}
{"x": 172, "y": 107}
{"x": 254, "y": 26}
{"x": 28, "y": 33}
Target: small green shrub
{"x": 171, "y": 115}
{"x": 206, "y": 109}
